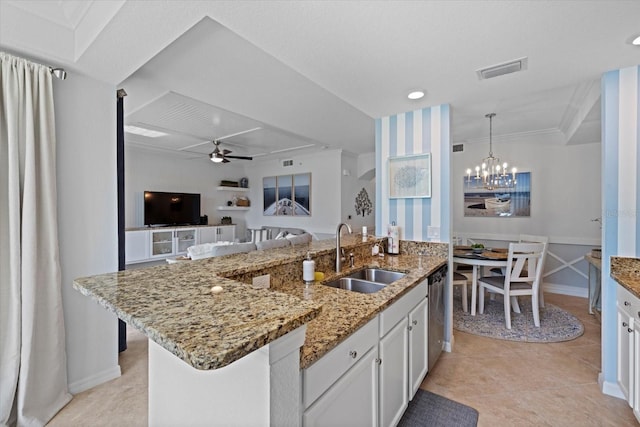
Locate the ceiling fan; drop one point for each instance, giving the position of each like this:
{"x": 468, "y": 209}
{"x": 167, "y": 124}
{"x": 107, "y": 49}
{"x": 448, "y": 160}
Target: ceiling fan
{"x": 222, "y": 155}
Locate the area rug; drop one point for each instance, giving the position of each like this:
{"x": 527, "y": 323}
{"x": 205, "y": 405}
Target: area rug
{"x": 555, "y": 323}
{"x": 431, "y": 410}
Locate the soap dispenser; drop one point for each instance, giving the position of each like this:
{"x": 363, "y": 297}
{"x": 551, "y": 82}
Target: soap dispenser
{"x": 308, "y": 270}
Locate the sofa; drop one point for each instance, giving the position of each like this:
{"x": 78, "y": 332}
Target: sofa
{"x": 282, "y": 239}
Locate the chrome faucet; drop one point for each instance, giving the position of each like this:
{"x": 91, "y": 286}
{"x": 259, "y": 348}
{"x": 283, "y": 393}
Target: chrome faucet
{"x": 339, "y": 251}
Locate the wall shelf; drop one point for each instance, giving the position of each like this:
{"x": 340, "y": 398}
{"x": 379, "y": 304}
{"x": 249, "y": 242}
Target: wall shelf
{"x": 233, "y": 208}
{"x": 236, "y": 189}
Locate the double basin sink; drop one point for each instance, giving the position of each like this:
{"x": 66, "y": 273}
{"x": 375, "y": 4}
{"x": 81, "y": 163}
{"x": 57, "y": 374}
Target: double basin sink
{"x": 366, "y": 281}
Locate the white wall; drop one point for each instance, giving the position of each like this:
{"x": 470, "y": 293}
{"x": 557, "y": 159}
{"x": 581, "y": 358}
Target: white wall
{"x": 325, "y": 168}
{"x": 351, "y": 187}
{"x": 157, "y": 171}
{"x": 565, "y": 190}
{"x": 87, "y": 222}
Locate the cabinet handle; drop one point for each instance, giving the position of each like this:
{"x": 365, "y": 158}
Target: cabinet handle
{"x": 629, "y": 330}
{"x": 379, "y": 361}
{"x": 410, "y": 328}
{"x": 415, "y": 322}
{"x": 627, "y": 303}
{"x": 625, "y": 324}
{"x": 353, "y": 354}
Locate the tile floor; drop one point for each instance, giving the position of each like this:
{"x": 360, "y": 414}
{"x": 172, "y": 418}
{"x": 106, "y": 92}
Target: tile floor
{"x": 509, "y": 383}
{"x": 530, "y": 384}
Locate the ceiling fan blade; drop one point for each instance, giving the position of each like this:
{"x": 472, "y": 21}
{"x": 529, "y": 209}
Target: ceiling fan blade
{"x": 225, "y": 152}
{"x": 225, "y": 161}
{"x": 240, "y": 157}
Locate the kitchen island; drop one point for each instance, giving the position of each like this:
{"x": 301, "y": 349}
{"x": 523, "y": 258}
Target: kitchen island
{"x": 243, "y": 342}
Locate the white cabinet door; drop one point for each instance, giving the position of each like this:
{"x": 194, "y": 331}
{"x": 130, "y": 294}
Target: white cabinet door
{"x": 636, "y": 368}
{"x": 161, "y": 243}
{"x": 136, "y": 246}
{"x": 393, "y": 374}
{"x": 226, "y": 233}
{"x": 418, "y": 352}
{"x": 625, "y": 354}
{"x": 207, "y": 234}
{"x": 185, "y": 237}
{"x": 352, "y": 400}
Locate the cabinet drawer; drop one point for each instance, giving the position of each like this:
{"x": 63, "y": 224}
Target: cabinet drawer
{"x": 393, "y": 314}
{"x": 628, "y": 302}
{"x": 317, "y": 378}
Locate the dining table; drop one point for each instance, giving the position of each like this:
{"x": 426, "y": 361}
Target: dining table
{"x": 496, "y": 257}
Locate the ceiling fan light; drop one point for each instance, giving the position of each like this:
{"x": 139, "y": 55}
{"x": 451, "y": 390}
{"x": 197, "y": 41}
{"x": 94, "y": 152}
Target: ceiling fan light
{"x": 636, "y": 41}
{"x": 215, "y": 158}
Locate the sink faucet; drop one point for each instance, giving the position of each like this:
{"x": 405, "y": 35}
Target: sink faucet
{"x": 339, "y": 252}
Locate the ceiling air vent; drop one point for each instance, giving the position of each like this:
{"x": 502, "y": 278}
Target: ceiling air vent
{"x": 286, "y": 163}
{"x": 502, "y": 69}
{"x": 458, "y": 147}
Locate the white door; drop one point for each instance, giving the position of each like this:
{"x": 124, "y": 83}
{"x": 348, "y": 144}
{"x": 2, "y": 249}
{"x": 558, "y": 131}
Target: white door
{"x": 418, "y": 352}
{"x": 393, "y": 374}
{"x": 207, "y": 234}
{"x": 136, "y": 246}
{"x": 226, "y": 233}
{"x": 352, "y": 400}
{"x": 625, "y": 354}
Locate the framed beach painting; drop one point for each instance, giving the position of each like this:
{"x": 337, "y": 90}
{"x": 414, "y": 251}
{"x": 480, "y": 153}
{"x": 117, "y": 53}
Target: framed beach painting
{"x": 501, "y": 203}
{"x": 410, "y": 176}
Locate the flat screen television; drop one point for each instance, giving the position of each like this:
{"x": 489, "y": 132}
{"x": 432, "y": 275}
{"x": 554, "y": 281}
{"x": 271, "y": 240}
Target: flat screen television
{"x": 171, "y": 208}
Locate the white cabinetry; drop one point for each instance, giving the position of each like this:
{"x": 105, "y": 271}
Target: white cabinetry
{"x": 153, "y": 244}
{"x": 403, "y": 353}
{"x": 170, "y": 242}
{"x": 136, "y": 247}
{"x": 341, "y": 387}
{"x": 418, "y": 352}
{"x": 369, "y": 378}
{"x": 628, "y": 373}
{"x": 226, "y": 233}
{"x": 351, "y": 400}
{"x": 221, "y": 233}
{"x": 393, "y": 374}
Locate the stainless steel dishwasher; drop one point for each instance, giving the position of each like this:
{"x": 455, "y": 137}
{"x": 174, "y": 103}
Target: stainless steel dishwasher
{"x": 437, "y": 282}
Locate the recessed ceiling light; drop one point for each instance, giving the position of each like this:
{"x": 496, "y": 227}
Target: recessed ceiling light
{"x": 636, "y": 41}
{"x": 416, "y": 94}
{"x": 144, "y": 132}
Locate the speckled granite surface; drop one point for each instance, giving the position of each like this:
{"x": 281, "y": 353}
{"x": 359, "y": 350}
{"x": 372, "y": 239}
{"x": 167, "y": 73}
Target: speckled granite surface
{"x": 172, "y": 304}
{"x": 626, "y": 271}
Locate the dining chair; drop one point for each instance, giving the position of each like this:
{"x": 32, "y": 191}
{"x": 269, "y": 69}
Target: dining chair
{"x": 522, "y": 277}
{"x": 461, "y": 280}
{"x": 530, "y": 238}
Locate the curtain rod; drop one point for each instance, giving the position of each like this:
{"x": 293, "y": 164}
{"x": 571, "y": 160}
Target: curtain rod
{"x": 57, "y": 72}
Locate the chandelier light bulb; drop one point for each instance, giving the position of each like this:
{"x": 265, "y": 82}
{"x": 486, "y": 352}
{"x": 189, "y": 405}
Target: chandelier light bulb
{"x": 495, "y": 175}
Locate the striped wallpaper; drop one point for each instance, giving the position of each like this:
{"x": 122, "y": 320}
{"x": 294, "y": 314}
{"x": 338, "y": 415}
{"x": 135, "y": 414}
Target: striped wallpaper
{"x": 415, "y": 132}
{"x": 620, "y": 187}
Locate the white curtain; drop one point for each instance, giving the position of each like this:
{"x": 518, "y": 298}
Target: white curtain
{"x": 33, "y": 367}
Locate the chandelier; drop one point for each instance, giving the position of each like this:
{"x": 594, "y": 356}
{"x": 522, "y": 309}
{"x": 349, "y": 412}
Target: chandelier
{"x": 492, "y": 174}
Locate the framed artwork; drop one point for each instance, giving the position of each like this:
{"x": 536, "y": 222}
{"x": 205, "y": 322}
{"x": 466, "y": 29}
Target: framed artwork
{"x": 410, "y": 176}
{"x": 287, "y": 195}
{"x": 502, "y": 203}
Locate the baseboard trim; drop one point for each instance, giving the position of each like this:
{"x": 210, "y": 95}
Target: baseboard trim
{"x": 94, "y": 380}
{"x": 609, "y": 388}
{"x": 573, "y": 291}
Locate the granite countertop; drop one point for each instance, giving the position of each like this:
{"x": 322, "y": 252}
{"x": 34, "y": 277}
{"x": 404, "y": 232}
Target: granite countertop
{"x": 626, "y": 271}
{"x": 173, "y": 304}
